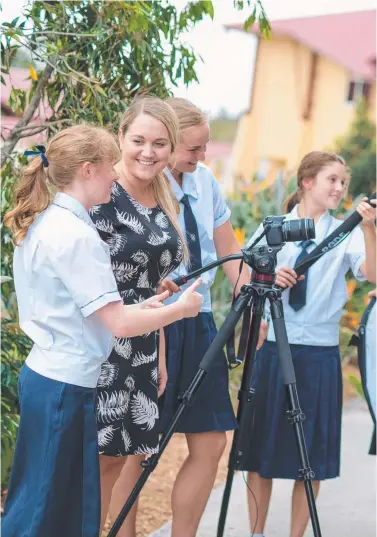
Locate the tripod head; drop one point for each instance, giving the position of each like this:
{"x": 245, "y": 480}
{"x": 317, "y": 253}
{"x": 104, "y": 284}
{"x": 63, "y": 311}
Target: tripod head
{"x": 261, "y": 259}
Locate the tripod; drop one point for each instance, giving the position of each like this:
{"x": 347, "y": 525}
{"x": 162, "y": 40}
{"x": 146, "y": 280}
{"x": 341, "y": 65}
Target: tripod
{"x": 263, "y": 261}
{"x": 260, "y": 290}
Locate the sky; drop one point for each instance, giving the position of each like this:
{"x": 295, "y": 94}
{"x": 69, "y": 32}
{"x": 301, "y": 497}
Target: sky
{"x": 225, "y": 75}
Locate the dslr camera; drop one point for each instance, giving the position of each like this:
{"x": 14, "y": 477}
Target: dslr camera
{"x": 280, "y": 230}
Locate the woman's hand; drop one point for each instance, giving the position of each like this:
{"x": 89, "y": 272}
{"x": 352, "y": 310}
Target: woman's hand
{"x": 162, "y": 377}
{"x": 287, "y": 277}
{"x": 373, "y": 293}
{"x": 168, "y": 285}
{"x": 191, "y": 301}
{"x": 367, "y": 212}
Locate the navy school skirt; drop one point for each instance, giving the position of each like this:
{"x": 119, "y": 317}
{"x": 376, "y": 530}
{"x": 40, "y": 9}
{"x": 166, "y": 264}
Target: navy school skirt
{"x": 269, "y": 444}
{"x": 187, "y": 341}
{"x": 54, "y": 488}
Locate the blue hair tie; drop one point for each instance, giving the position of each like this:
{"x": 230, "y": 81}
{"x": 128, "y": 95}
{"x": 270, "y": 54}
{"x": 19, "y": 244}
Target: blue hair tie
{"x": 41, "y": 150}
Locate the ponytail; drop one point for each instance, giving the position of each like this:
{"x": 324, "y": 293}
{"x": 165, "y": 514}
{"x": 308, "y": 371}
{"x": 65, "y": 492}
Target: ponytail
{"x": 54, "y": 170}
{"x": 32, "y": 196}
{"x": 291, "y": 201}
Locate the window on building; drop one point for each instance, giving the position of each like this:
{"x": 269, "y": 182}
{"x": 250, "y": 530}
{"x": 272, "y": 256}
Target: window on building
{"x": 356, "y": 90}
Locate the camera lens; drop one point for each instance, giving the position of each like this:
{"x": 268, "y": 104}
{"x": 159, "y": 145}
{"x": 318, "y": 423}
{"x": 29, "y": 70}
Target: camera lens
{"x": 301, "y": 229}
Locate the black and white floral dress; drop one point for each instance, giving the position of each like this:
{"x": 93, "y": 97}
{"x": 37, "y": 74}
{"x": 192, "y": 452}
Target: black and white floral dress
{"x": 144, "y": 249}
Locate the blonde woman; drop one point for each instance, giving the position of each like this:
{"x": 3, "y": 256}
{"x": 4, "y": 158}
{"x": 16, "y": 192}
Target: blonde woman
{"x": 146, "y": 244}
{"x": 69, "y": 306}
{"x": 205, "y": 219}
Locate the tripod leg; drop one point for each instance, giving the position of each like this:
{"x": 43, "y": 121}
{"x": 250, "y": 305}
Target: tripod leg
{"x": 296, "y": 417}
{"x": 245, "y": 396}
{"x": 213, "y": 352}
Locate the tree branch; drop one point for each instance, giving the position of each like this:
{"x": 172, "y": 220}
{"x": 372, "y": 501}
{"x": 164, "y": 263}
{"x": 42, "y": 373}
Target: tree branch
{"x": 45, "y": 125}
{"x": 14, "y": 136}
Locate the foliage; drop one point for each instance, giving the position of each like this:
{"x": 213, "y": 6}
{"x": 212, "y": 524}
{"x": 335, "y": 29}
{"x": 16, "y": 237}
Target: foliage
{"x": 358, "y": 147}
{"x": 14, "y": 346}
{"x": 96, "y": 56}
{"x": 357, "y": 385}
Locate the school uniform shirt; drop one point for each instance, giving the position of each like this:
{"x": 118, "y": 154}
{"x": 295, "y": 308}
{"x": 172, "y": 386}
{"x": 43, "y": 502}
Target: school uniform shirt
{"x": 210, "y": 211}
{"x": 317, "y": 323}
{"x": 62, "y": 275}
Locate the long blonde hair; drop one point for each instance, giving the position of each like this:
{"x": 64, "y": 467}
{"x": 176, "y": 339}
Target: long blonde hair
{"x": 65, "y": 152}
{"x": 162, "y": 191}
{"x": 309, "y": 168}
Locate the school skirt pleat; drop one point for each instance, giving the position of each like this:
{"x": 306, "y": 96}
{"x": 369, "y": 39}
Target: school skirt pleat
{"x": 268, "y": 440}
{"x": 54, "y": 488}
{"x": 187, "y": 341}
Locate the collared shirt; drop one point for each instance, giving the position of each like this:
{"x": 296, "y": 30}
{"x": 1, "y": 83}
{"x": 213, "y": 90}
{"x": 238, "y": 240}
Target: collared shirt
{"x": 62, "y": 275}
{"x": 317, "y": 323}
{"x": 210, "y": 211}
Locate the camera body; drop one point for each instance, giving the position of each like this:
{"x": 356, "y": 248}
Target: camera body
{"x": 280, "y": 230}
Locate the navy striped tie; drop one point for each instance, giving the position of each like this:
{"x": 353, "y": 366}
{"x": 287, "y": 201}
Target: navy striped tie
{"x": 297, "y": 294}
{"x": 192, "y": 235}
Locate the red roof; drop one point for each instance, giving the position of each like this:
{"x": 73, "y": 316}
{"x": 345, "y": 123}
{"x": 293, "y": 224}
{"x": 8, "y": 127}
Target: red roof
{"x": 349, "y": 39}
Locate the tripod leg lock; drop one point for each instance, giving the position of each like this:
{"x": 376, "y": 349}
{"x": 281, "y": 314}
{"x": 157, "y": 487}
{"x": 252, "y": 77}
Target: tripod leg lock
{"x": 149, "y": 463}
{"x": 250, "y": 395}
{"x": 184, "y": 398}
{"x": 306, "y": 474}
{"x": 295, "y": 416}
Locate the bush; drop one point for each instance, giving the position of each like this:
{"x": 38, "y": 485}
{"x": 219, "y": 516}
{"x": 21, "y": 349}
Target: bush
{"x": 14, "y": 347}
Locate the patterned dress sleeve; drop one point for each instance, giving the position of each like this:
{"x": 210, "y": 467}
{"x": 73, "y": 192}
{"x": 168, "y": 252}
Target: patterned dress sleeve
{"x": 101, "y": 217}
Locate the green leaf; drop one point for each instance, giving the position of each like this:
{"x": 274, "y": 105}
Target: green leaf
{"x": 250, "y": 20}
{"x": 99, "y": 117}
{"x": 209, "y": 8}
{"x": 100, "y": 90}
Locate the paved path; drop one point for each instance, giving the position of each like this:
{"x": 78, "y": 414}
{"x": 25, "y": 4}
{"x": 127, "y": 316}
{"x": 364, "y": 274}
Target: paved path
{"x": 346, "y": 506}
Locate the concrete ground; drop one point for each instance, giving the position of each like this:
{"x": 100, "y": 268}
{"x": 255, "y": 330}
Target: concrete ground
{"x": 346, "y": 506}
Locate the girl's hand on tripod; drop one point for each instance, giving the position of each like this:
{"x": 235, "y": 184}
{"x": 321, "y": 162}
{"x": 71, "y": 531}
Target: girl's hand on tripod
{"x": 168, "y": 285}
{"x": 287, "y": 277}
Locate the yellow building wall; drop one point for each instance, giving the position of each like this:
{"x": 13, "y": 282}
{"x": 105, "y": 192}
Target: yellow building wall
{"x": 274, "y": 129}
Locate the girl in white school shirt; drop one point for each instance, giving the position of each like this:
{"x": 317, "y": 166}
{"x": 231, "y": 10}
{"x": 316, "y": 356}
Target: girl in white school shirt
{"x": 312, "y": 320}
{"x": 69, "y": 306}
